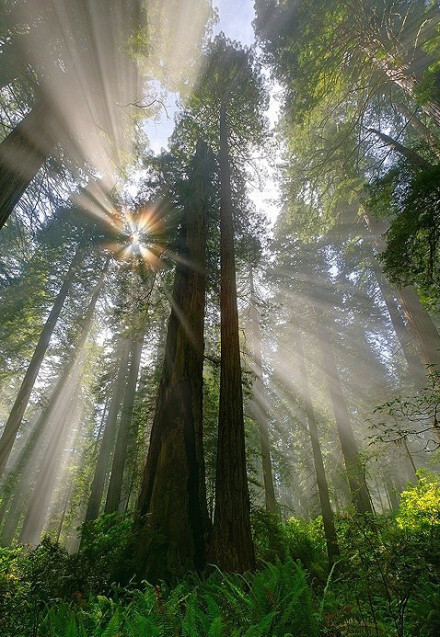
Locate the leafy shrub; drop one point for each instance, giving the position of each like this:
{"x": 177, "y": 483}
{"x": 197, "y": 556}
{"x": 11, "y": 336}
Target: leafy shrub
{"x": 275, "y": 601}
{"x": 387, "y": 583}
{"x": 31, "y": 580}
{"x": 420, "y": 505}
{"x": 103, "y": 542}
{"x": 298, "y": 539}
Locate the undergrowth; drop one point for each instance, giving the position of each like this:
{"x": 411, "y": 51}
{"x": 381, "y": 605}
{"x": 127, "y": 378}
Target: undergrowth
{"x": 386, "y": 583}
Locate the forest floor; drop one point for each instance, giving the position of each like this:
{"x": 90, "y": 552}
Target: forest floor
{"x": 385, "y": 583}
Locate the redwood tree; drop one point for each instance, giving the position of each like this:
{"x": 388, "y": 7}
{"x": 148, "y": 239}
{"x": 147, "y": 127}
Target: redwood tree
{"x": 172, "y": 525}
{"x": 228, "y": 104}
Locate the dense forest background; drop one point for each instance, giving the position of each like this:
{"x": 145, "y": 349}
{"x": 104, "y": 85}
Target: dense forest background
{"x": 219, "y": 352}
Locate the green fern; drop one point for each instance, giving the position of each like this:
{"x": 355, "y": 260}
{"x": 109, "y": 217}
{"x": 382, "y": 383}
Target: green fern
{"x": 263, "y": 628}
{"x": 217, "y": 628}
{"x": 281, "y": 589}
{"x": 138, "y": 624}
{"x": 112, "y": 628}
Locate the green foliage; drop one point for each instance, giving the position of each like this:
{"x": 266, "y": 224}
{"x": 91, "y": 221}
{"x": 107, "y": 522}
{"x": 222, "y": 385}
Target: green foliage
{"x": 412, "y": 202}
{"x": 428, "y": 87}
{"x": 31, "y": 581}
{"x": 296, "y": 539}
{"x": 420, "y": 505}
{"x": 275, "y": 601}
{"x": 386, "y": 583}
{"x": 410, "y": 416}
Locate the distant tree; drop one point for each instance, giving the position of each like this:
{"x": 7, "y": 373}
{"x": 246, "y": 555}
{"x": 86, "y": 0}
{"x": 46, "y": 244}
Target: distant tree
{"x": 58, "y": 407}
{"x": 257, "y": 402}
{"x": 324, "y": 496}
{"x": 21, "y": 402}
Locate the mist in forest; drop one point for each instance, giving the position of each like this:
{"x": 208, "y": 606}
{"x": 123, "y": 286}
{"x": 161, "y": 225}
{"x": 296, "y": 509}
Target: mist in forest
{"x": 223, "y": 353}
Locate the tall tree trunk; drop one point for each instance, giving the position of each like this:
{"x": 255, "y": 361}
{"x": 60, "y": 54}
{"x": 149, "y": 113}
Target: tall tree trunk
{"x": 422, "y": 326}
{"x": 233, "y": 544}
{"x": 379, "y": 494}
{"x": 432, "y": 140}
{"x": 256, "y": 404}
{"x": 120, "y": 453}
{"x": 23, "y": 153}
{"x": 21, "y": 402}
{"x": 353, "y": 465}
{"x": 404, "y": 335}
{"x": 413, "y": 157}
{"x": 41, "y": 496}
{"x": 173, "y": 518}
{"x": 424, "y": 331}
{"x": 324, "y": 496}
{"x": 45, "y": 482}
{"x": 108, "y": 437}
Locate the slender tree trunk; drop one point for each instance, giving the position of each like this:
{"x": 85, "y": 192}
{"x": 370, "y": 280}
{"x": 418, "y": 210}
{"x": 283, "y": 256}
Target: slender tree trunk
{"x": 64, "y": 512}
{"x": 108, "y": 437}
{"x": 379, "y": 494}
{"x": 404, "y": 335}
{"x": 422, "y": 326}
{"x": 353, "y": 465}
{"x": 413, "y": 157}
{"x": 324, "y": 496}
{"x": 41, "y": 496}
{"x": 256, "y": 404}
{"x": 424, "y": 331}
{"x": 46, "y": 479}
{"x": 120, "y": 453}
{"x": 233, "y": 544}
{"x": 410, "y": 458}
{"x": 432, "y": 140}
{"x": 23, "y": 153}
{"x": 130, "y": 491}
{"x": 393, "y": 498}
{"x": 173, "y": 518}
{"x": 21, "y": 402}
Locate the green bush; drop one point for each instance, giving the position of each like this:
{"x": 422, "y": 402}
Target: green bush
{"x": 386, "y": 583}
{"x": 275, "y": 601}
{"x": 103, "y": 542}
{"x": 298, "y": 539}
{"x": 420, "y": 504}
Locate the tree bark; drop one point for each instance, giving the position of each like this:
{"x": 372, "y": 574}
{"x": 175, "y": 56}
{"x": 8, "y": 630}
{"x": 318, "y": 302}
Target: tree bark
{"x": 256, "y": 404}
{"x": 424, "y": 331}
{"x": 172, "y": 527}
{"x": 23, "y": 153}
{"x": 414, "y": 158}
{"x": 108, "y": 437}
{"x": 432, "y": 140}
{"x": 422, "y": 326}
{"x": 324, "y": 496}
{"x": 120, "y": 453}
{"x": 21, "y": 402}
{"x": 49, "y": 466}
{"x": 403, "y": 76}
{"x": 355, "y": 473}
{"x": 233, "y": 544}
{"x": 404, "y": 336}
{"x": 390, "y": 489}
